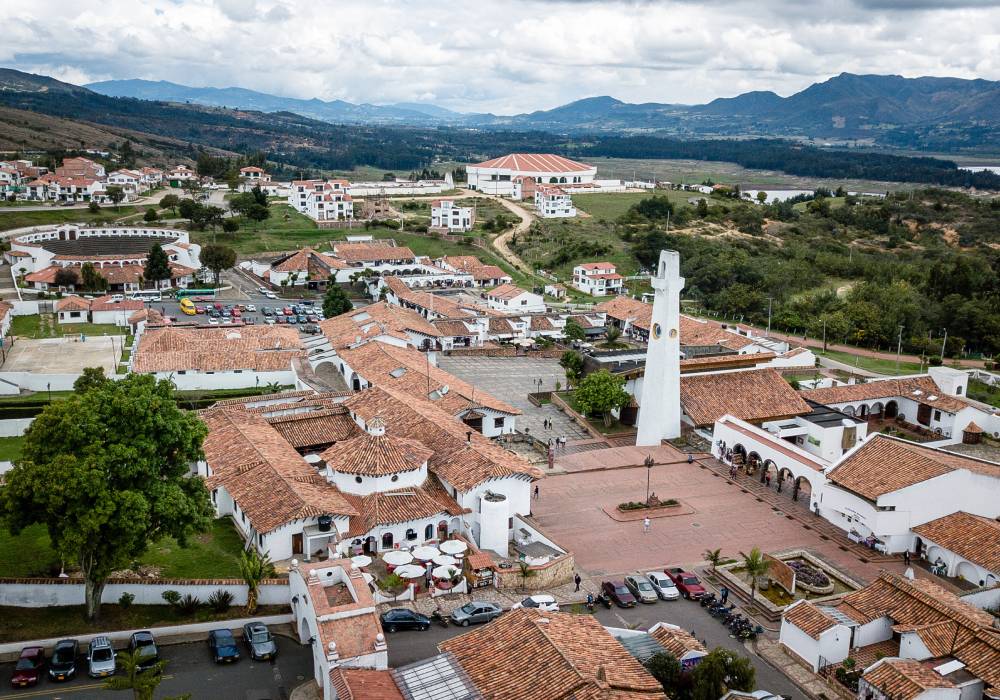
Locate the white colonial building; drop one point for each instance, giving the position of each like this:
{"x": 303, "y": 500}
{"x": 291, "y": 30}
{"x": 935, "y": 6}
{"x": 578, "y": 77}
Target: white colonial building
{"x": 497, "y": 176}
{"x": 553, "y": 202}
{"x": 508, "y": 297}
{"x": 447, "y": 216}
{"x": 598, "y": 279}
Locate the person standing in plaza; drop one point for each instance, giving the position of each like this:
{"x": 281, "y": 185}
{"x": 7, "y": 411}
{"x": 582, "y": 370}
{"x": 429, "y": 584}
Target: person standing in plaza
{"x": 577, "y": 580}
{"x": 536, "y": 492}
{"x": 725, "y": 595}
{"x": 645, "y": 524}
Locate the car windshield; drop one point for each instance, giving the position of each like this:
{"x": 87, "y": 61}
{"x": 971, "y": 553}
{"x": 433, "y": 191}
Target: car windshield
{"x": 643, "y": 586}
{"x": 224, "y": 639}
{"x": 25, "y": 664}
{"x": 101, "y": 655}
{"x": 260, "y": 636}
{"x": 529, "y": 603}
{"x": 691, "y": 581}
{"x": 63, "y": 655}
{"x": 621, "y": 590}
{"x": 468, "y": 608}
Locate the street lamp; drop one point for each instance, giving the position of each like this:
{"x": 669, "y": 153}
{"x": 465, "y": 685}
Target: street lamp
{"x": 648, "y": 463}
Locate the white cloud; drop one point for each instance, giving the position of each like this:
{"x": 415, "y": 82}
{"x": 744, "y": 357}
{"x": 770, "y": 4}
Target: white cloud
{"x": 504, "y": 57}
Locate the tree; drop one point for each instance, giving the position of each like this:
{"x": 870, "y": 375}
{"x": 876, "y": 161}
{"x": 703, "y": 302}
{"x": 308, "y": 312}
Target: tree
{"x": 187, "y": 208}
{"x": 601, "y": 392}
{"x": 143, "y": 682}
{"x": 755, "y": 566}
{"x": 257, "y": 213}
{"x": 116, "y": 194}
{"x": 93, "y": 207}
{"x": 66, "y": 277}
{"x": 230, "y": 225}
{"x": 612, "y": 335}
{"x": 526, "y": 572}
{"x": 666, "y": 669}
{"x": 718, "y": 672}
{"x": 126, "y": 155}
{"x": 335, "y": 302}
{"x": 702, "y": 208}
{"x": 218, "y": 258}
{"x": 91, "y": 378}
{"x": 713, "y": 557}
{"x": 254, "y": 568}
{"x": 170, "y": 201}
{"x": 762, "y": 197}
{"x": 573, "y": 330}
{"x": 241, "y": 203}
{"x": 91, "y": 279}
{"x": 108, "y": 472}
{"x": 150, "y": 215}
{"x": 157, "y": 265}
{"x": 259, "y": 195}
{"x": 572, "y": 363}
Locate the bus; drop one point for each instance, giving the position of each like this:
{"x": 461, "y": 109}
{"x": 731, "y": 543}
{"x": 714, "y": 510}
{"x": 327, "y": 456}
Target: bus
{"x": 147, "y": 295}
{"x": 187, "y": 306}
{"x": 182, "y": 293}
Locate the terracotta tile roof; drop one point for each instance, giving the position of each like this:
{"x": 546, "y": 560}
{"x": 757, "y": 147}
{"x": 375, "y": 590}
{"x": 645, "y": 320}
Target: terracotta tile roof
{"x": 315, "y": 428}
{"x": 453, "y": 328}
{"x": 753, "y": 395}
{"x": 506, "y": 291}
{"x": 440, "y": 305}
{"x": 885, "y": 464}
{"x": 269, "y": 480}
{"x": 970, "y": 536}
{"x": 460, "y": 464}
{"x": 472, "y": 265}
{"x": 376, "y": 319}
{"x": 376, "y": 454}
{"x": 624, "y": 309}
{"x": 401, "y": 506}
{"x": 107, "y": 303}
{"x": 973, "y": 428}
{"x": 407, "y": 370}
{"x": 916, "y": 602}
{"x": 587, "y": 321}
{"x": 808, "y": 618}
{"x": 305, "y": 259}
{"x": 597, "y": 266}
{"x": 939, "y": 637}
{"x": 695, "y": 332}
{"x": 905, "y": 679}
{"x": 114, "y": 274}
{"x": 480, "y": 560}
{"x": 364, "y": 684}
{"x": 922, "y": 389}
{"x": 534, "y": 163}
{"x": 676, "y": 640}
{"x": 371, "y": 252}
{"x": 501, "y": 326}
{"x": 571, "y": 657}
{"x": 218, "y": 349}
{"x": 543, "y": 323}
{"x": 72, "y": 303}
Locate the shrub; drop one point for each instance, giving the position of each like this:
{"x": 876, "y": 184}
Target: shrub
{"x": 935, "y": 360}
{"x": 220, "y": 600}
{"x": 188, "y": 605}
{"x": 391, "y": 583}
{"x": 671, "y": 502}
{"x": 809, "y": 575}
{"x": 125, "y": 601}
{"x": 172, "y": 597}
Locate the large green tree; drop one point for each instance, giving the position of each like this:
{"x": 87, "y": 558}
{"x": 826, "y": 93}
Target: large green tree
{"x": 572, "y": 363}
{"x": 157, "y": 265}
{"x": 601, "y": 392}
{"x": 335, "y": 302}
{"x": 218, "y": 258}
{"x": 108, "y": 472}
{"x": 720, "y": 671}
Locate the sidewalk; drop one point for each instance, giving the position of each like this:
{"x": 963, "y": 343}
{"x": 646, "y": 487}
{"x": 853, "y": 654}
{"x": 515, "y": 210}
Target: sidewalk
{"x": 811, "y": 684}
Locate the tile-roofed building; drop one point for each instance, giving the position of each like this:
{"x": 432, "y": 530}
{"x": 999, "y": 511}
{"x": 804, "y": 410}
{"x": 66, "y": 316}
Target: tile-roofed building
{"x": 572, "y": 657}
{"x": 904, "y": 679}
{"x": 695, "y": 332}
{"x": 809, "y": 618}
{"x": 315, "y": 430}
{"x": 512, "y": 299}
{"x": 372, "y": 253}
{"x": 678, "y": 642}
{"x": 752, "y": 395}
{"x": 294, "y": 268}
{"x": 431, "y": 306}
{"x": 364, "y": 684}
{"x": 376, "y": 453}
{"x": 921, "y": 389}
{"x": 969, "y": 536}
{"x": 72, "y": 303}
{"x": 379, "y": 319}
{"x": 631, "y": 316}
{"x": 482, "y": 274}
{"x": 534, "y": 163}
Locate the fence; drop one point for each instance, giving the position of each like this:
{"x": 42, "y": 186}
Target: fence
{"x": 43, "y": 593}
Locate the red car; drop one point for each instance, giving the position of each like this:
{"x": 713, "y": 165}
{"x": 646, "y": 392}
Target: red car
{"x": 686, "y": 582}
{"x": 619, "y": 593}
{"x": 236, "y": 313}
{"x": 287, "y": 311}
{"x": 199, "y": 309}
{"x": 29, "y": 667}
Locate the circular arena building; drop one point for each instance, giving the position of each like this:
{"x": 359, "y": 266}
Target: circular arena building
{"x": 118, "y": 254}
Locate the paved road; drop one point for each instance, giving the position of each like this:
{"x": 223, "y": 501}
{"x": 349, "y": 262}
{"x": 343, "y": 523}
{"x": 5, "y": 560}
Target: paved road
{"x": 407, "y": 647}
{"x": 190, "y": 670}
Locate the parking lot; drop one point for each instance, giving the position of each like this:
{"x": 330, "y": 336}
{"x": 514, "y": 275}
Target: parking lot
{"x": 307, "y": 308}
{"x": 190, "y": 670}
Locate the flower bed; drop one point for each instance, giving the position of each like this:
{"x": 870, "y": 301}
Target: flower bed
{"x": 639, "y": 505}
{"x": 811, "y": 578}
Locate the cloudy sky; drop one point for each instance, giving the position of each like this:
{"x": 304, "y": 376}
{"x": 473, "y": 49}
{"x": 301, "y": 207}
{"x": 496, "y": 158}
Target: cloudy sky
{"x": 500, "y": 56}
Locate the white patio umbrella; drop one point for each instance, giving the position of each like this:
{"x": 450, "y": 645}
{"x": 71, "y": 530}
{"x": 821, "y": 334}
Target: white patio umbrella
{"x": 444, "y": 572}
{"x": 410, "y": 571}
{"x": 368, "y": 577}
{"x": 425, "y": 552}
{"x": 397, "y": 557}
{"x": 361, "y": 560}
{"x": 444, "y": 560}
{"x": 453, "y": 546}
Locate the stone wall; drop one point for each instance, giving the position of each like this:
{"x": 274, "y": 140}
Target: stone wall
{"x": 45, "y": 592}
{"x": 549, "y": 575}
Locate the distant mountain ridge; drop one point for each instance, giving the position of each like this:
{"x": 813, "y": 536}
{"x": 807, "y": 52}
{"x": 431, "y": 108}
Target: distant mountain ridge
{"x": 877, "y": 107}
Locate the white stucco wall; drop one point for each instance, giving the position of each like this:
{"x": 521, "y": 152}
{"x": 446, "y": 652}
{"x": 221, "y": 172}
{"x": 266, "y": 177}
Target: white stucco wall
{"x": 194, "y": 380}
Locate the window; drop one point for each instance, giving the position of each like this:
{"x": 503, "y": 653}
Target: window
{"x": 498, "y": 422}
{"x": 429, "y": 532}
{"x": 357, "y": 479}
{"x": 387, "y": 540}
{"x": 395, "y": 477}
{"x": 937, "y": 415}
{"x": 411, "y": 534}
{"x": 510, "y": 523}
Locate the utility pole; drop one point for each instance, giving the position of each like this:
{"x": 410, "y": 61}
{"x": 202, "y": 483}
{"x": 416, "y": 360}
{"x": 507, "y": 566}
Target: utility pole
{"x": 769, "y": 300}
{"x": 824, "y": 335}
{"x": 943, "y": 344}
{"x": 899, "y": 347}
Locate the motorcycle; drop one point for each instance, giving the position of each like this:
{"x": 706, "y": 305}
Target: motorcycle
{"x": 707, "y": 600}
{"x": 440, "y": 619}
{"x": 604, "y": 600}
{"x": 590, "y": 603}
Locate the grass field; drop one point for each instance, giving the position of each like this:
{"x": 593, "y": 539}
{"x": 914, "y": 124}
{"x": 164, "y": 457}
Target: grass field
{"x": 214, "y": 554}
{"x": 13, "y": 218}
{"x": 981, "y": 391}
{"x": 610, "y": 206}
{"x": 871, "y": 364}
{"x": 45, "y": 326}
{"x": 10, "y": 448}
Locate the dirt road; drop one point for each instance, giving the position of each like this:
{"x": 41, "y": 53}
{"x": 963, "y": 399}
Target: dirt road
{"x": 501, "y": 241}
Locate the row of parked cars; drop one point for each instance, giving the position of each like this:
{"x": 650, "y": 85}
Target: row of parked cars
{"x": 669, "y": 584}
{"x": 101, "y": 659}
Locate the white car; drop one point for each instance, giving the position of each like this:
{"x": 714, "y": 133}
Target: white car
{"x": 543, "y": 602}
{"x": 212, "y": 321}
{"x": 261, "y": 290}
{"x": 270, "y": 295}
{"x": 269, "y": 320}
{"x": 251, "y": 307}
{"x": 664, "y": 587}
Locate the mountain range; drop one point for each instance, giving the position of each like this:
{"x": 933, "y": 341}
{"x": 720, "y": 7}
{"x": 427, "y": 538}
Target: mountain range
{"x": 877, "y": 108}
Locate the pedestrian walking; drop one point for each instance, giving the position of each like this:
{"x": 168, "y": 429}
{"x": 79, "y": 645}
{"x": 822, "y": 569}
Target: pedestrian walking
{"x": 577, "y": 580}
{"x": 536, "y": 492}
{"x": 724, "y": 595}
{"x": 645, "y": 524}
{"x": 906, "y": 557}
{"x": 690, "y": 459}
{"x": 767, "y": 479}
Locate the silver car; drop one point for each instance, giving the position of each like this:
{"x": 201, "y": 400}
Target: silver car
{"x": 474, "y": 612}
{"x": 641, "y": 588}
{"x": 663, "y": 586}
{"x": 101, "y": 661}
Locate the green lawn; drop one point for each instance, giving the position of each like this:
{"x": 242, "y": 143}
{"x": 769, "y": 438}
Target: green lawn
{"x": 10, "y": 448}
{"x": 58, "y": 215}
{"x": 45, "y": 326}
{"x": 214, "y": 554}
{"x": 611, "y": 205}
{"x": 980, "y": 391}
{"x": 871, "y": 364}
{"x": 597, "y": 423}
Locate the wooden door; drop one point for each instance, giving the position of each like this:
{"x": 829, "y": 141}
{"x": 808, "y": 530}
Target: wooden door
{"x": 297, "y": 543}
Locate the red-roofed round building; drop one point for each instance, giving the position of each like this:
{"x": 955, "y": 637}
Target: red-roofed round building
{"x": 497, "y": 176}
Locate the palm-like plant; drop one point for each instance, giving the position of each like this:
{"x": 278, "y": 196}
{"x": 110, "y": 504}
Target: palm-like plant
{"x": 142, "y": 682}
{"x": 526, "y": 573}
{"x": 254, "y": 568}
{"x": 713, "y": 557}
{"x": 756, "y": 566}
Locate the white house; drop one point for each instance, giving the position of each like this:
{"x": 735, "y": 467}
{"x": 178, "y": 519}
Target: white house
{"x": 131, "y": 182}
{"x": 598, "y": 279}
{"x": 553, "y": 202}
{"x": 497, "y": 176}
{"x": 966, "y": 545}
{"x": 307, "y": 195}
{"x": 483, "y": 275}
{"x": 508, "y": 297}
{"x": 182, "y": 173}
{"x": 252, "y": 175}
{"x": 73, "y": 309}
{"x": 446, "y": 215}
{"x": 112, "y": 310}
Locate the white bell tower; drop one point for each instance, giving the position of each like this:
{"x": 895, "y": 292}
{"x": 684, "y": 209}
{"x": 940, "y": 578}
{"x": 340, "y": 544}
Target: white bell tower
{"x": 660, "y": 404}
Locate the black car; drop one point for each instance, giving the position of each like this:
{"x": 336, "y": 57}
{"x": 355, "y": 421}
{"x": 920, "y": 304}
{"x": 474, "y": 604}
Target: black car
{"x": 404, "y": 619}
{"x": 259, "y": 641}
{"x": 143, "y": 646}
{"x": 62, "y": 666}
{"x": 222, "y": 645}
{"x": 619, "y": 594}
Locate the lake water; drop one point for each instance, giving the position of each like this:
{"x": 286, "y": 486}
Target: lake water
{"x": 981, "y": 168}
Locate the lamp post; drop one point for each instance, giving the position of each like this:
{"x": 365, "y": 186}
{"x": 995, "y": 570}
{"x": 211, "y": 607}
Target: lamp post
{"x": 648, "y": 463}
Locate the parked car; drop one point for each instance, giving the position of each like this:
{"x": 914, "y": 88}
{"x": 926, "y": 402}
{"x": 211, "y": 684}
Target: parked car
{"x": 250, "y": 307}
{"x": 287, "y": 311}
{"x": 311, "y": 329}
{"x": 404, "y": 619}
{"x": 262, "y": 290}
{"x": 269, "y": 320}
{"x": 641, "y": 588}
{"x": 237, "y": 313}
{"x": 300, "y": 318}
{"x": 687, "y": 583}
{"x": 542, "y": 601}
{"x": 213, "y": 321}
{"x": 222, "y": 645}
{"x": 101, "y": 658}
{"x": 143, "y": 646}
{"x": 270, "y": 295}
{"x": 260, "y": 643}
{"x": 279, "y": 319}
{"x": 312, "y": 318}
{"x": 62, "y": 665}
{"x": 618, "y": 593}
{"x": 663, "y": 586}
{"x": 199, "y": 309}
{"x": 29, "y": 667}
{"x": 266, "y": 310}
{"x": 474, "y": 612}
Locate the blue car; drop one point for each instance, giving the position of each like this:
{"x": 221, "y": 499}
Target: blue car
{"x": 223, "y": 646}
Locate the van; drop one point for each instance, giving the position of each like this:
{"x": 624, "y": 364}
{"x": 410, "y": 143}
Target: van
{"x": 101, "y": 658}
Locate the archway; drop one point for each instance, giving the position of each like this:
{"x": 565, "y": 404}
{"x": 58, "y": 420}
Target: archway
{"x": 877, "y": 410}
{"x": 891, "y": 409}
{"x": 863, "y": 411}
{"x": 783, "y": 474}
{"x": 369, "y": 545}
{"x": 305, "y": 631}
{"x": 387, "y": 540}
{"x": 429, "y": 532}
{"x": 754, "y": 462}
{"x": 442, "y": 530}
{"x": 770, "y": 468}
{"x": 739, "y": 455}
{"x": 849, "y": 410}
{"x": 801, "y": 481}
{"x": 970, "y": 573}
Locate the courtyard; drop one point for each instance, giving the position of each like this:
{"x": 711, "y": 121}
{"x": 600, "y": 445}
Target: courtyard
{"x": 68, "y": 355}
{"x": 511, "y": 379}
